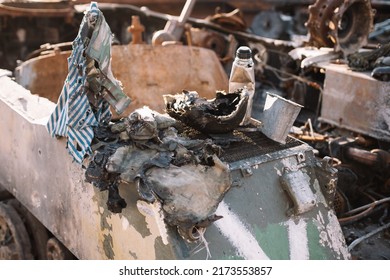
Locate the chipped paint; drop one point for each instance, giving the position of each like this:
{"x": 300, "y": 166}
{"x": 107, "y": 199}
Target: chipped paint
{"x": 298, "y": 240}
{"x": 316, "y": 250}
{"x": 123, "y": 241}
{"x": 317, "y": 190}
{"x": 125, "y": 223}
{"x": 238, "y": 234}
{"x": 319, "y": 222}
{"x": 154, "y": 218}
{"x": 35, "y": 199}
{"x": 289, "y": 163}
{"x": 108, "y": 246}
{"x": 331, "y": 235}
{"x": 104, "y": 224}
{"x": 320, "y": 218}
{"x": 336, "y": 236}
{"x": 278, "y": 171}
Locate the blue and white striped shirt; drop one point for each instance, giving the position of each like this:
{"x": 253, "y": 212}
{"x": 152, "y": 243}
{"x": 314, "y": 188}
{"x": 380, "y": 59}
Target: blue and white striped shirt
{"x": 73, "y": 116}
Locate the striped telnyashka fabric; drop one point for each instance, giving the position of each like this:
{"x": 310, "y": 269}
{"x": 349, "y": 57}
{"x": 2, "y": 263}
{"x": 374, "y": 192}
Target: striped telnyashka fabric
{"x": 74, "y": 117}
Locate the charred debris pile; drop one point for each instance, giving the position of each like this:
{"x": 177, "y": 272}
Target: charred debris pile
{"x": 154, "y": 152}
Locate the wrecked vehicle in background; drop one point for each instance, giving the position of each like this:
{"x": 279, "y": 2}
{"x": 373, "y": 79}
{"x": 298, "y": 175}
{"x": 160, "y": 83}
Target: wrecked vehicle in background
{"x": 58, "y": 22}
{"x": 280, "y": 19}
{"x": 341, "y": 79}
{"x": 288, "y": 193}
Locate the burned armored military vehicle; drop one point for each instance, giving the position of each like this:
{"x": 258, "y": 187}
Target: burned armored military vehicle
{"x": 147, "y": 186}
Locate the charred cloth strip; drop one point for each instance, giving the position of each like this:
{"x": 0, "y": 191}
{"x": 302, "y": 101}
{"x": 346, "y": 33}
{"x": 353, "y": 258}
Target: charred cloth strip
{"x": 222, "y": 114}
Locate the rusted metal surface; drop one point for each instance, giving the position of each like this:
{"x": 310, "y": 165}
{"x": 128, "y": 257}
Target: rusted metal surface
{"x": 56, "y": 250}
{"x": 44, "y": 75}
{"x": 356, "y": 101}
{"x": 377, "y": 158}
{"x": 174, "y": 28}
{"x": 20, "y": 36}
{"x": 321, "y": 12}
{"x": 344, "y": 25}
{"x": 136, "y": 29}
{"x": 146, "y": 73}
{"x": 36, "y": 9}
{"x": 145, "y": 70}
{"x": 353, "y": 23}
{"x": 233, "y": 20}
{"x": 222, "y": 46}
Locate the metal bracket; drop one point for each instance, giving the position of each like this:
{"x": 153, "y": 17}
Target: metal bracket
{"x": 301, "y": 158}
{"x": 246, "y": 171}
{"x": 327, "y": 178}
{"x": 298, "y": 189}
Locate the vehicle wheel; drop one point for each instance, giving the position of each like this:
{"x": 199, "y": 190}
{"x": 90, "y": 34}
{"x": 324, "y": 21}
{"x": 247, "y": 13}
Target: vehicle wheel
{"x": 37, "y": 232}
{"x": 14, "y": 240}
{"x": 268, "y": 24}
{"x": 301, "y": 16}
{"x": 55, "y": 250}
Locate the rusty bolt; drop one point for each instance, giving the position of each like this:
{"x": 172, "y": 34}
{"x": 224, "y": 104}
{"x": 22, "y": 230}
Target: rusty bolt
{"x": 136, "y": 29}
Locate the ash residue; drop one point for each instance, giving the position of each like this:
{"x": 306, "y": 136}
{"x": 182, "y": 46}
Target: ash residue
{"x": 222, "y": 114}
{"x": 152, "y": 151}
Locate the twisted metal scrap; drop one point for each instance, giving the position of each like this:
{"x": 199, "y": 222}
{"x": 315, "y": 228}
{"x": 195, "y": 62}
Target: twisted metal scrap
{"x": 344, "y": 25}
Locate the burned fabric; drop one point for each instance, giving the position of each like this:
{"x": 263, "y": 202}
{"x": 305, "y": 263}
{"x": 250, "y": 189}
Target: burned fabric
{"x": 222, "y": 114}
{"x": 185, "y": 175}
{"x": 363, "y": 61}
{"x": 81, "y": 105}
{"x": 191, "y": 193}
{"x": 128, "y": 161}
{"x": 97, "y": 175}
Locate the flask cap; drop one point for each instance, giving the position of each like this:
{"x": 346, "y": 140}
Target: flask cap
{"x": 244, "y": 52}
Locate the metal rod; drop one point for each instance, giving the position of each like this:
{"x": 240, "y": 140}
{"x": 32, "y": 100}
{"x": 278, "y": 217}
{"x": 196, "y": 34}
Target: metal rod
{"x": 362, "y": 156}
{"x": 368, "y": 235}
{"x": 187, "y": 10}
{"x": 377, "y": 202}
{"x": 198, "y": 23}
{"x": 359, "y": 216}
